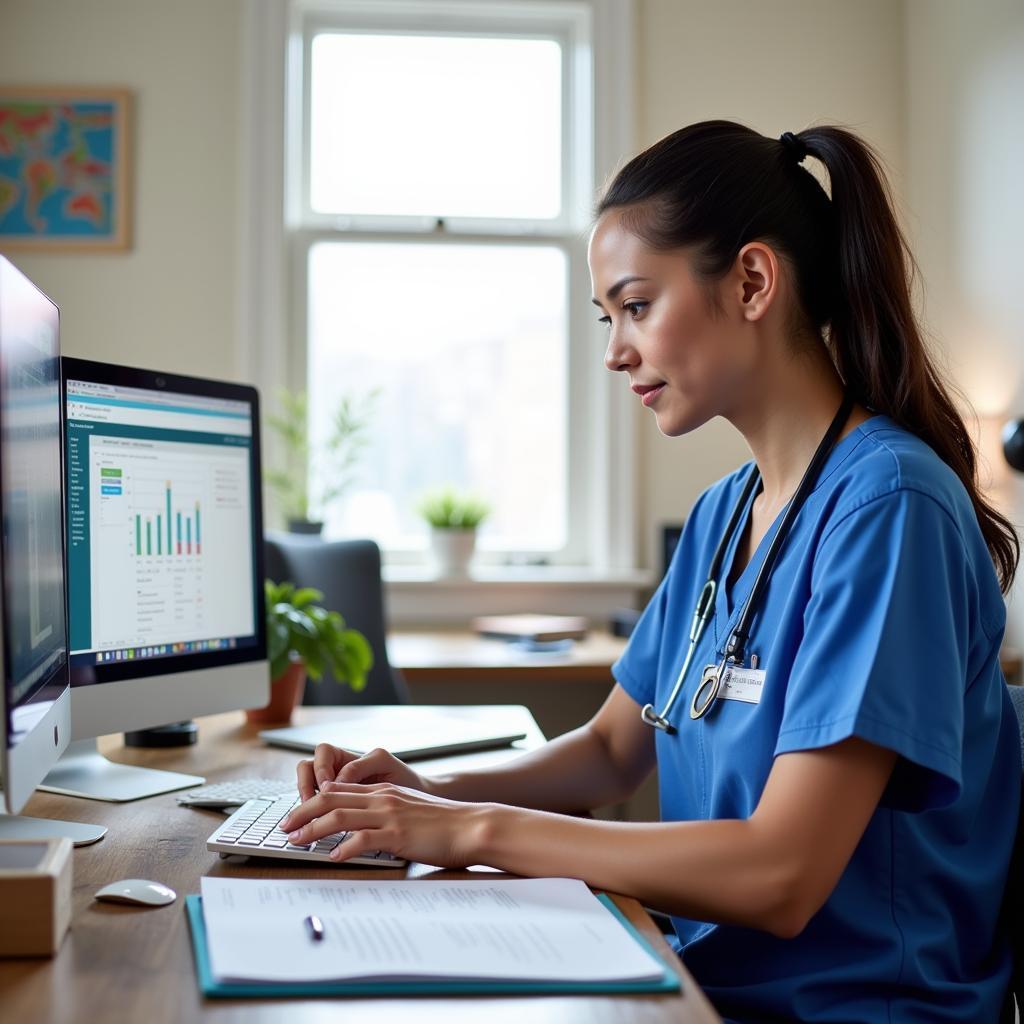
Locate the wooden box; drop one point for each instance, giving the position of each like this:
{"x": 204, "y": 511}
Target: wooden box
{"x": 35, "y": 895}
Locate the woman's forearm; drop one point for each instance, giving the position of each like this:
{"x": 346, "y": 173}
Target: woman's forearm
{"x": 575, "y": 772}
{"x": 772, "y": 871}
{"x": 707, "y": 870}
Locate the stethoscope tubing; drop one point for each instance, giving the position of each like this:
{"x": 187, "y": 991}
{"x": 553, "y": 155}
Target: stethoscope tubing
{"x": 705, "y": 608}
{"x": 736, "y": 643}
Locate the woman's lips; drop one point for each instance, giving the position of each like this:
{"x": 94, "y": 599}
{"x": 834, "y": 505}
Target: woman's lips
{"x": 649, "y": 394}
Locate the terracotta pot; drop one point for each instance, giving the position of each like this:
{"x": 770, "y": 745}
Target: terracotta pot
{"x": 285, "y": 692}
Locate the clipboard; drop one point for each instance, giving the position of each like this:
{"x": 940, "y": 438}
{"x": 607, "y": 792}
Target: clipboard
{"x": 213, "y": 989}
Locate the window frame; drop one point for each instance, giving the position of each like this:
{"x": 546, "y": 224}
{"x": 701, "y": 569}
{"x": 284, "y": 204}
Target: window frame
{"x": 596, "y": 36}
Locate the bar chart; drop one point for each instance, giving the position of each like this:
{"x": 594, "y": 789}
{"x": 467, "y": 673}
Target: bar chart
{"x": 178, "y": 534}
{"x": 169, "y": 530}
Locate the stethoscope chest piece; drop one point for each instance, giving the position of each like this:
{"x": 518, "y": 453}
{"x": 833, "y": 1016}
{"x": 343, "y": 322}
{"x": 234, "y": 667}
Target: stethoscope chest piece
{"x": 707, "y": 691}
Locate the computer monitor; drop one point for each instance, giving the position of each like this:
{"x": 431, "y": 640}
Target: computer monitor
{"x": 164, "y": 563}
{"x": 36, "y": 704}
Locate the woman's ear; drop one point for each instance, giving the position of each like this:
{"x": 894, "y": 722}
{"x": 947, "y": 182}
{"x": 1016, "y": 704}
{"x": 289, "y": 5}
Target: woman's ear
{"x": 757, "y": 271}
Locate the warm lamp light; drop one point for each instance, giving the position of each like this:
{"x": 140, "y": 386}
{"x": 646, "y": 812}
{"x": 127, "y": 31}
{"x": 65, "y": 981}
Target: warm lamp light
{"x": 993, "y": 476}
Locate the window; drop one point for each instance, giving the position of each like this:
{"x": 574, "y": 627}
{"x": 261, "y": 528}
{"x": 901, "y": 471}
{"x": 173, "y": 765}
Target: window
{"x": 441, "y": 166}
{"x": 435, "y": 125}
{"x": 466, "y": 347}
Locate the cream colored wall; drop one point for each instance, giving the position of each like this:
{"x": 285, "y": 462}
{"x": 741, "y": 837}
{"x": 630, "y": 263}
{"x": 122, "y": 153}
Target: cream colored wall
{"x": 170, "y": 302}
{"x": 965, "y": 152}
{"x": 776, "y": 67}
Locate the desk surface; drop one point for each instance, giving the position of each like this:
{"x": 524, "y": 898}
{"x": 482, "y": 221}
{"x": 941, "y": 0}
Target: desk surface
{"x": 125, "y": 964}
{"x": 465, "y": 657}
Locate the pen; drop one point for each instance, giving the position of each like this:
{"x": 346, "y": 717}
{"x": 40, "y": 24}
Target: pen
{"x": 316, "y": 927}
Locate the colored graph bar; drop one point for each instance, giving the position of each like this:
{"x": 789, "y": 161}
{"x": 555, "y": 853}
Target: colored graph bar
{"x": 149, "y": 536}
{"x": 188, "y": 534}
{"x": 179, "y": 532}
{"x": 198, "y": 546}
{"x": 169, "y": 548}
{"x": 138, "y": 535}
{"x": 159, "y": 534}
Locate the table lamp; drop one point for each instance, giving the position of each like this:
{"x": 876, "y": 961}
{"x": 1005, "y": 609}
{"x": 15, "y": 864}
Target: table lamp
{"x": 1013, "y": 444}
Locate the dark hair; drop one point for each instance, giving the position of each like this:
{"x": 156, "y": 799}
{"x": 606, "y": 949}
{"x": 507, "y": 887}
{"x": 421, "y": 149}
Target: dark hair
{"x": 713, "y": 187}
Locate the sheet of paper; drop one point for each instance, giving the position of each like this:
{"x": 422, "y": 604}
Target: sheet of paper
{"x": 537, "y": 929}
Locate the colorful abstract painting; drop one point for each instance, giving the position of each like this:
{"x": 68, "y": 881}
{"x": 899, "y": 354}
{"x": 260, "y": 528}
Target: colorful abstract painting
{"x": 63, "y": 169}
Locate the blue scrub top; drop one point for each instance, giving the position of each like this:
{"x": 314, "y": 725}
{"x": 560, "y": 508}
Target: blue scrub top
{"x": 882, "y": 619}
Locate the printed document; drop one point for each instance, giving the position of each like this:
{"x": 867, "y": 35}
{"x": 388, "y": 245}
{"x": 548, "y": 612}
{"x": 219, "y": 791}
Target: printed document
{"x": 531, "y": 929}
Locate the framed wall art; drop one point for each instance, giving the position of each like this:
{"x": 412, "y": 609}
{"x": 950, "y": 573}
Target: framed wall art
{"x": 64, "y": 169}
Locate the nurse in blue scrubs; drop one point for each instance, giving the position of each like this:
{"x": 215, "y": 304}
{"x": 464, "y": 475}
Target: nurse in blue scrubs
{"x": 837, "y": 755}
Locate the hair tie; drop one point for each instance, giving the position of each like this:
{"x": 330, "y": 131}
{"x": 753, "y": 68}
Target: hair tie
{"x": 795, "y": 147}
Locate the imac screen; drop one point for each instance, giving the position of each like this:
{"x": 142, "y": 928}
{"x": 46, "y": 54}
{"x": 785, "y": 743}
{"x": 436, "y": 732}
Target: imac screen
{"x": 161, "y": 527}
{"x": 35, "y": 634}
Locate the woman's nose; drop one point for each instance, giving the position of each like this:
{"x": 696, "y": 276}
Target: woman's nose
{"x": 619, "y": 356}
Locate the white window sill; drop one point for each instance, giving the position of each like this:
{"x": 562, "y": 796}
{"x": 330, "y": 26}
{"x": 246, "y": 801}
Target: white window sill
{"x": 416, "y": 596}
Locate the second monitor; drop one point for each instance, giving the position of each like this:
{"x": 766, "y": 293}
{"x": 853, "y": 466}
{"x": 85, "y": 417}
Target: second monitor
{"x": 164, "y": 563}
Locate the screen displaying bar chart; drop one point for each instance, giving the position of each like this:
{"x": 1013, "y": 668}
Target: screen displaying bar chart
{"x": 162, "y": 522}
{"x": 170, "y": 526}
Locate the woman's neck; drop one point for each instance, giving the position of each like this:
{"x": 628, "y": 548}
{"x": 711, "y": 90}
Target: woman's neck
{"x": 785, "y": 417}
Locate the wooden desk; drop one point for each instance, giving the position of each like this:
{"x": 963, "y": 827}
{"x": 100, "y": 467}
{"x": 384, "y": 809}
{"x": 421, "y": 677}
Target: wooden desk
{"x": 122, "y": 964}
{"x": 465, "y": 657}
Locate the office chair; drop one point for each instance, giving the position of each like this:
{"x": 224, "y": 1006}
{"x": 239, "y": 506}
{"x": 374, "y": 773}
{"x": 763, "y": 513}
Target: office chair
{"x": 348, "y": 574}
{"x": 1013, "y": 902}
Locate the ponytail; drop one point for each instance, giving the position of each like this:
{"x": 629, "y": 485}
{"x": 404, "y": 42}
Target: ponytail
{"x": 716, "y": 185}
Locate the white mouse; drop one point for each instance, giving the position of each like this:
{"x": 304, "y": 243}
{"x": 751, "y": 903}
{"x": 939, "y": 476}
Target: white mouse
{"x": 137, "y": 890}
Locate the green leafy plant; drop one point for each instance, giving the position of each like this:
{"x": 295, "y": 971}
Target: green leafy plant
{"x": 299, "y": 628}
{"x": 334, "y": 464}
{"x": 291, "y": 483}
{"x": 446, "y": 508}
{"x": 346, "y": 443}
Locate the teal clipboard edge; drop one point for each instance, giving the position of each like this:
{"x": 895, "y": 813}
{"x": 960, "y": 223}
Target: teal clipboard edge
{"x": 210, "y": 987}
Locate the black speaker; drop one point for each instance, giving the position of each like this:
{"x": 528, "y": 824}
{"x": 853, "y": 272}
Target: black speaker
{"x": 670, "y": 535}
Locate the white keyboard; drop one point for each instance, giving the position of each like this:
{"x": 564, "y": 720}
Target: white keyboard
{"x": 252, "y": 831}
{"x": 235, "y": 792}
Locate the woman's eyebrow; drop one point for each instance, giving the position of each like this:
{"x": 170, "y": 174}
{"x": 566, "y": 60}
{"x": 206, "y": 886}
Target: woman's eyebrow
{"x": 618, "y": 286}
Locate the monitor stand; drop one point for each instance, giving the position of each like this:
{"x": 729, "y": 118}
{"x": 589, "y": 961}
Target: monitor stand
{"x": 13, "y": 826}
{"x": 83, "y": 771}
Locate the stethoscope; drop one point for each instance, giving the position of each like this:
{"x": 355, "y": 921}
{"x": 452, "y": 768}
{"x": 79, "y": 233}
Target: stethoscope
{"x": 710, "y": 685}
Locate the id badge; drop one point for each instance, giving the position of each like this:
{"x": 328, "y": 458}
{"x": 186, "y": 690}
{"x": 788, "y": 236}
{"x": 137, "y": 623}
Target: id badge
{"x": 743, "y": 684}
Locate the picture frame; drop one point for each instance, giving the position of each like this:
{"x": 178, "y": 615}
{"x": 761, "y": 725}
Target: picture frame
{"x": 65, "y": 183}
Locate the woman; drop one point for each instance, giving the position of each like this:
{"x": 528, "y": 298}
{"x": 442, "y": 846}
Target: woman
{"x": 838, "y": 810}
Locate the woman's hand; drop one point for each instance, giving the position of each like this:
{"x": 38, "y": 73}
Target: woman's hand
{"x": 332, "y": 764}
{"x": 381, "y": 816}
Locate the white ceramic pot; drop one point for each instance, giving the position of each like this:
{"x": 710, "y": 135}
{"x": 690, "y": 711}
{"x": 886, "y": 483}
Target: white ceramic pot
{"x": 453, "y": 550}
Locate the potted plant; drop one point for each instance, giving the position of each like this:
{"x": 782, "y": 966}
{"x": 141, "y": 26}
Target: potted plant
{"x": 453, "y": 517}
{"x": 334, "y": 464}
{"x": 305, "y": 639}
